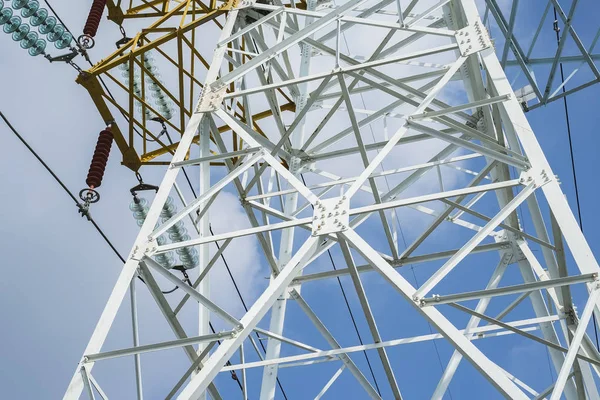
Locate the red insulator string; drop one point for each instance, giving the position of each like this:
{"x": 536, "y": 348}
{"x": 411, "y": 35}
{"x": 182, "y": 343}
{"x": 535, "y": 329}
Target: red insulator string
{"x": 94, "y": 17}
{"x": 100, "y": 158}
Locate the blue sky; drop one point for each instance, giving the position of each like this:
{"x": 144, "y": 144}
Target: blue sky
{"x": 57, "y": 273}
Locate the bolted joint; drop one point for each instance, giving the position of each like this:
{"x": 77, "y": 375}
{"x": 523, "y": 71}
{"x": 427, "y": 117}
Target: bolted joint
{"x": 211, "y": 98}
{"x": 539, "y": 177}
{"x": 330, "y": 216}
{"x": 472, "y": 39}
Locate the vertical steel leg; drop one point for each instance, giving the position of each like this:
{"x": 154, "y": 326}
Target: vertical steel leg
{"x": 134, "y": 323}
{"x": 204, "y": 230}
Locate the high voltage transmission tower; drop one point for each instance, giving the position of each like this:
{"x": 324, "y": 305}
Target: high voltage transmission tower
{"x": 333, "y": 122}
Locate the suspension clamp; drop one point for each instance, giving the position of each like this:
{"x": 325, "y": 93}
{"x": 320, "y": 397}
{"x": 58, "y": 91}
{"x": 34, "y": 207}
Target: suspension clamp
{"x": 68, "y": 57}
{"x": 88, "y": 196}
{"x": 141, "y": 187}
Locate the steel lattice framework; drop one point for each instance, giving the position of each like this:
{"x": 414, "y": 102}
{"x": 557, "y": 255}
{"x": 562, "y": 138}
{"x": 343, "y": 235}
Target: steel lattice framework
{"x": 328, "y": 175}
{"x": 175, "y": 30}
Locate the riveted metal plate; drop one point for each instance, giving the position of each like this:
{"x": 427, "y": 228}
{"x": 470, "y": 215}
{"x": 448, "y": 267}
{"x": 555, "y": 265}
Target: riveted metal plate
{"x": 473, "y": 38}
{"x": 331, "y": 216}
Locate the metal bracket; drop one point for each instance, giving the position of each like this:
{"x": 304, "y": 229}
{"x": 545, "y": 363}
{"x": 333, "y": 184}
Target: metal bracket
{"x": 331, "y": 216}
{"x": 517, "y": 253}
{"x": 150, "y": 248}
{"x": 539, "y": 176}
{"x": 211, "y": 99}
{"x": 67, "y": 57}
{"x": 507, "y": 250}
{"x": 295, "y": 165}
{"x": 473, "y": 39}
{"x": 525, "y": 95}
{"x": 138, "y": 253}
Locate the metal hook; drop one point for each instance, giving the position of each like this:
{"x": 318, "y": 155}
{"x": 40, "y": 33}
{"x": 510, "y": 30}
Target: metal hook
{"x": 138, "y": 176}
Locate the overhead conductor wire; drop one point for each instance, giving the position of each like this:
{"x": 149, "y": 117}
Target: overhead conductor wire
{"x": 574, "y": 171}
{"x": 57, "y": 179}
{"x": 235, "y": 285}
{"x": 351, "y": 313}
{"x": 399, "y": 227}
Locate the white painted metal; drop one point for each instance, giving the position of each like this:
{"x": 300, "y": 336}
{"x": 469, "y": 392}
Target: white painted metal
{"x": 309, "y": 184}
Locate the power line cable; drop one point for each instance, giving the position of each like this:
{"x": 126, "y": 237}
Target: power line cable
{"x": 64, "y": 187}
{"x": 571, "y": 153}
{"x": 397, "y": 218}
{"x": 354, "y": 324}
{"x": 351, "y": 313}
{"x": 235, "y": 285}
{"x": 71, "y": 195}
{"x": 60, "y": 182}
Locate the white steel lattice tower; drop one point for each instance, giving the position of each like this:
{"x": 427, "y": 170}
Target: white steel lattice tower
{"x": 445, "y": 147}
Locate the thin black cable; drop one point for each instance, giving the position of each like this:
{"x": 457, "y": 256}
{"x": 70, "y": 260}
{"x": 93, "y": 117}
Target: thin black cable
{"x": 59, "y": 181}
{"x": 239, "y": 293}
{"x": 87, "y": 58}
{"x": 59, "y": 19}
{"x": 397, "y": 218}
{"x": 573, "y": 169}
{"x": 412, "y": 268}
{"x": 71, "y": 195}
{"x": 351, "y": 313}
{"x": 354, "y": 323}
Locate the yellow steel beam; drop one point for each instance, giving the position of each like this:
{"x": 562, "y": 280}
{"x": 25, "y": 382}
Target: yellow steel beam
{"x": 91, "y": 84}
{"x": 132, "y": 52}
{"x": 118, "y": 57}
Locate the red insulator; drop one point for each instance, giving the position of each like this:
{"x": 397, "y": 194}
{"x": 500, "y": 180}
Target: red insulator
{"x": 100, "y": 158}
{"x": 93, "y": 21}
